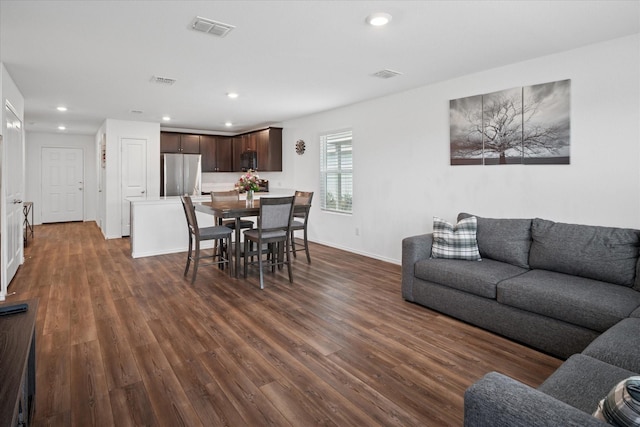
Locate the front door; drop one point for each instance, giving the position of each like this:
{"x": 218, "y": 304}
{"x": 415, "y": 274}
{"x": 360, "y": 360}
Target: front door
{"x": 134, "y": 177}
{"x": 13, "y": 183}
{"x": 62, "y": 184}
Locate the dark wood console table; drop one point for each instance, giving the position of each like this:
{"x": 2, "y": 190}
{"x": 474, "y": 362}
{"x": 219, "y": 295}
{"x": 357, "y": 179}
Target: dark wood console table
{"x": 18, "y": 366}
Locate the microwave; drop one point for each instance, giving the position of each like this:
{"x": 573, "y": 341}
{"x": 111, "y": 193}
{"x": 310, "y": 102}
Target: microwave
{"x": 249, "y": 160}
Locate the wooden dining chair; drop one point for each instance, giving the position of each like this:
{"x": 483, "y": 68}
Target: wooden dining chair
{"x": 230, "y": 196}
{"x": 301, "y": 219}
{"x": 198, "y": 234}
{"x": 274, "y": 231}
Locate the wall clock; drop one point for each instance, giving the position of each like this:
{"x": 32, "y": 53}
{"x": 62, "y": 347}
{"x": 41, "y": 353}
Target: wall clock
{"x": 300, "y": 147}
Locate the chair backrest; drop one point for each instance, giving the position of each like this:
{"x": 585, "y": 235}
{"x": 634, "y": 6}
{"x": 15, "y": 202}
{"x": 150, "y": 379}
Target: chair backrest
{"x": 275, "y": 213}
{"x": 303, "y": 198}
{"x": 225, "y": 196}
{"x": 190, "y": 213}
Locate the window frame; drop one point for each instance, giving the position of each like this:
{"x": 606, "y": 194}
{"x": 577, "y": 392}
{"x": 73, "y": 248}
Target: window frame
{"x": 343, "y": 200}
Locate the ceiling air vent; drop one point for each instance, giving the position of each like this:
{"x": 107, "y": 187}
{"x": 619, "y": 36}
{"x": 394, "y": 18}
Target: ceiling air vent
{"x": 212, "y": 27}
{"x": 163, "y": 80}
{"x": 386, "y": 74}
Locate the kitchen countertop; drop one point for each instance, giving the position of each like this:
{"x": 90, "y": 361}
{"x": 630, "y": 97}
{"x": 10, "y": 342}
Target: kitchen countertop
{"x": 276, "y": 192}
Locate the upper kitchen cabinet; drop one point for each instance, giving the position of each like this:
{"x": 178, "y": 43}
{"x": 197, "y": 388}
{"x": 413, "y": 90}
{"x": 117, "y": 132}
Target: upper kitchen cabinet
{"x": 172, "y": 142}
{"x": 269, "y": 148}
{"x": 217, "y": 153}
{"x": 266, "y": 143}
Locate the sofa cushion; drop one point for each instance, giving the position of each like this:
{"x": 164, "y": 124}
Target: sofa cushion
{"x": 455, "y": 242}
{"x": 499, "y": 401}
{"x": 600, "y": 253}
{"x": 478, "y": 278}
{"x": 506, "y": 240}
{"x": 585, "y": 302}
{"x": 582, "y": 381}
{"x": 618, "y": 345}
{"x": 621, "y": 406}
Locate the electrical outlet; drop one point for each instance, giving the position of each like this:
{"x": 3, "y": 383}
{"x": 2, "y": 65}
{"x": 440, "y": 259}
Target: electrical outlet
{"x": 357, "y": 231}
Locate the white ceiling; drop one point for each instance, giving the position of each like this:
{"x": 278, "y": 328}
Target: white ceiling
{"x": 286, "y": 59}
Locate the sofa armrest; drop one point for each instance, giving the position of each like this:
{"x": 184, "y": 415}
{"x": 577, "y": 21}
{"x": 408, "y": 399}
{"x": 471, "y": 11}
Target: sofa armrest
{"x": 414, "y": 249}
{"x": 497, "y": 400}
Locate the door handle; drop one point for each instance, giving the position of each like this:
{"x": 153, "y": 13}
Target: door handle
{"x": 16, "y": 201}
{"x": 142, "y": 192}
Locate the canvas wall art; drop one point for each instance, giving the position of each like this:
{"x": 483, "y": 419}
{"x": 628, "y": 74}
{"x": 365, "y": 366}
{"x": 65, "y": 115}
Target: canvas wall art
{"x": 526, "y": 125}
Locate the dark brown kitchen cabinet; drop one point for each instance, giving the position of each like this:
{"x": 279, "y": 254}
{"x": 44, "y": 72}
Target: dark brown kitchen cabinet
{"x": 225, "y": 153}
{"x": 267, "y": 143}
{"x": 217, "y": 153}
{"x": 269, "y": 148}
{"x": 173, "y": 142}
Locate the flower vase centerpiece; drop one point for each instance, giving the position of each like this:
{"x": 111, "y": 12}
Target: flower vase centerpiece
{"x": 249, "y": 182}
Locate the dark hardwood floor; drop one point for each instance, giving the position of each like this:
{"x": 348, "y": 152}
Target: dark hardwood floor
{"x": 128, "y": 342}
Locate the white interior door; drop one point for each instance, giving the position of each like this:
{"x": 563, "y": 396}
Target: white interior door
{"x": 62, "y": 184}
{"x": 134, "y": 177}
{"x": 13, "y": 175}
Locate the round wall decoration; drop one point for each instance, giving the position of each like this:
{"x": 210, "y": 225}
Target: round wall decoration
{"x": 300, "y": 147}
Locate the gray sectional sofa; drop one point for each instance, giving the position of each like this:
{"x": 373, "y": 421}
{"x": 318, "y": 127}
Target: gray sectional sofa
{"x": 570, "y": 290}
{"x": 569, "y": 396}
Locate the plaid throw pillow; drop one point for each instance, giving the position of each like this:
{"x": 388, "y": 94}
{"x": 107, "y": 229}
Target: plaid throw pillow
{"x": 621, "y": 407}
{"x": 457, "y": 242}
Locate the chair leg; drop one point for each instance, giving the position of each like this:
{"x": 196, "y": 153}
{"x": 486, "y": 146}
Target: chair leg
{"x": 273, "y": 256}
{"x": 280, "y": 247}
{"x": 293, "y": 244}
{"x": 186, "y": 270}
{"x": 246, "y": 256}
{"x": 260, "y": 264}
{"x": 286, "y": 253}
{"x": 196, "y": 260}
{"x": 227, "y": 255}
{"x": 306, "y": 246}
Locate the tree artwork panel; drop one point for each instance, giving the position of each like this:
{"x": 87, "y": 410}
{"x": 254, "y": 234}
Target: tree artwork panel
{"x": 527, "y": 125}
{"x": 502, "y": 114}
{"x": 465, "y": 118}
{"x": 546, "y": 134}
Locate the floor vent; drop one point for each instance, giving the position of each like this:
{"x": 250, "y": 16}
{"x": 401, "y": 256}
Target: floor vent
{"x": 212, "y": 27}
{"x": 386, "y": 74}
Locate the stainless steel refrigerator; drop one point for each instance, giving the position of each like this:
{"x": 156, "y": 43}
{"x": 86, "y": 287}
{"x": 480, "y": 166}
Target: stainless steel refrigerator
{"x": 181, "y": 174}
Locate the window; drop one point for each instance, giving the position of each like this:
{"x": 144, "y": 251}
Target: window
{"x": 336, "y": 172}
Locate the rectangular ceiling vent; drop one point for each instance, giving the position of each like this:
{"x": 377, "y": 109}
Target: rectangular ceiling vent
{"x": 163, "y": 80}
{"x": 386, "y": 74}
{"x": 210, "y": 26}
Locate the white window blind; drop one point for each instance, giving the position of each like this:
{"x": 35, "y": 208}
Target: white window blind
{"x": 336, "y": 172}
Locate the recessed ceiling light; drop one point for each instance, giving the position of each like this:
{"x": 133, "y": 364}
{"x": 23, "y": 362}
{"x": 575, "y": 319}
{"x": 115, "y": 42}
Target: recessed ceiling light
{"x": 228, "y": 124}
{"x": 62, "y": 127}
{"x": 232, "y": 95}
{"x": 61, "y": 108}
{"x": 166, "y": 118}
{"x": 378, "y": 19}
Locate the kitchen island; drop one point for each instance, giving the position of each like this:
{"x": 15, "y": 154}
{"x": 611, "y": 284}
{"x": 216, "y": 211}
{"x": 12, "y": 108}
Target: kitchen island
{"x": 158, "y": 224}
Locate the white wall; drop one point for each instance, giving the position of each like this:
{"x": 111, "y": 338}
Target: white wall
{"x": 401, "y": 155}
{"x": 35, "y": 141}
{"x": 110, "y": 199}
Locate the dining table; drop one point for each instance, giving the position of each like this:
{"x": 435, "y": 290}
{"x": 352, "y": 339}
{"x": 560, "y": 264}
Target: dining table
{"x": 238, "y": 209}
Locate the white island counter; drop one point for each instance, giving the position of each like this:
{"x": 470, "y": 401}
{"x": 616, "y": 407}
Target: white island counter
{"x": 158, "y": 225}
